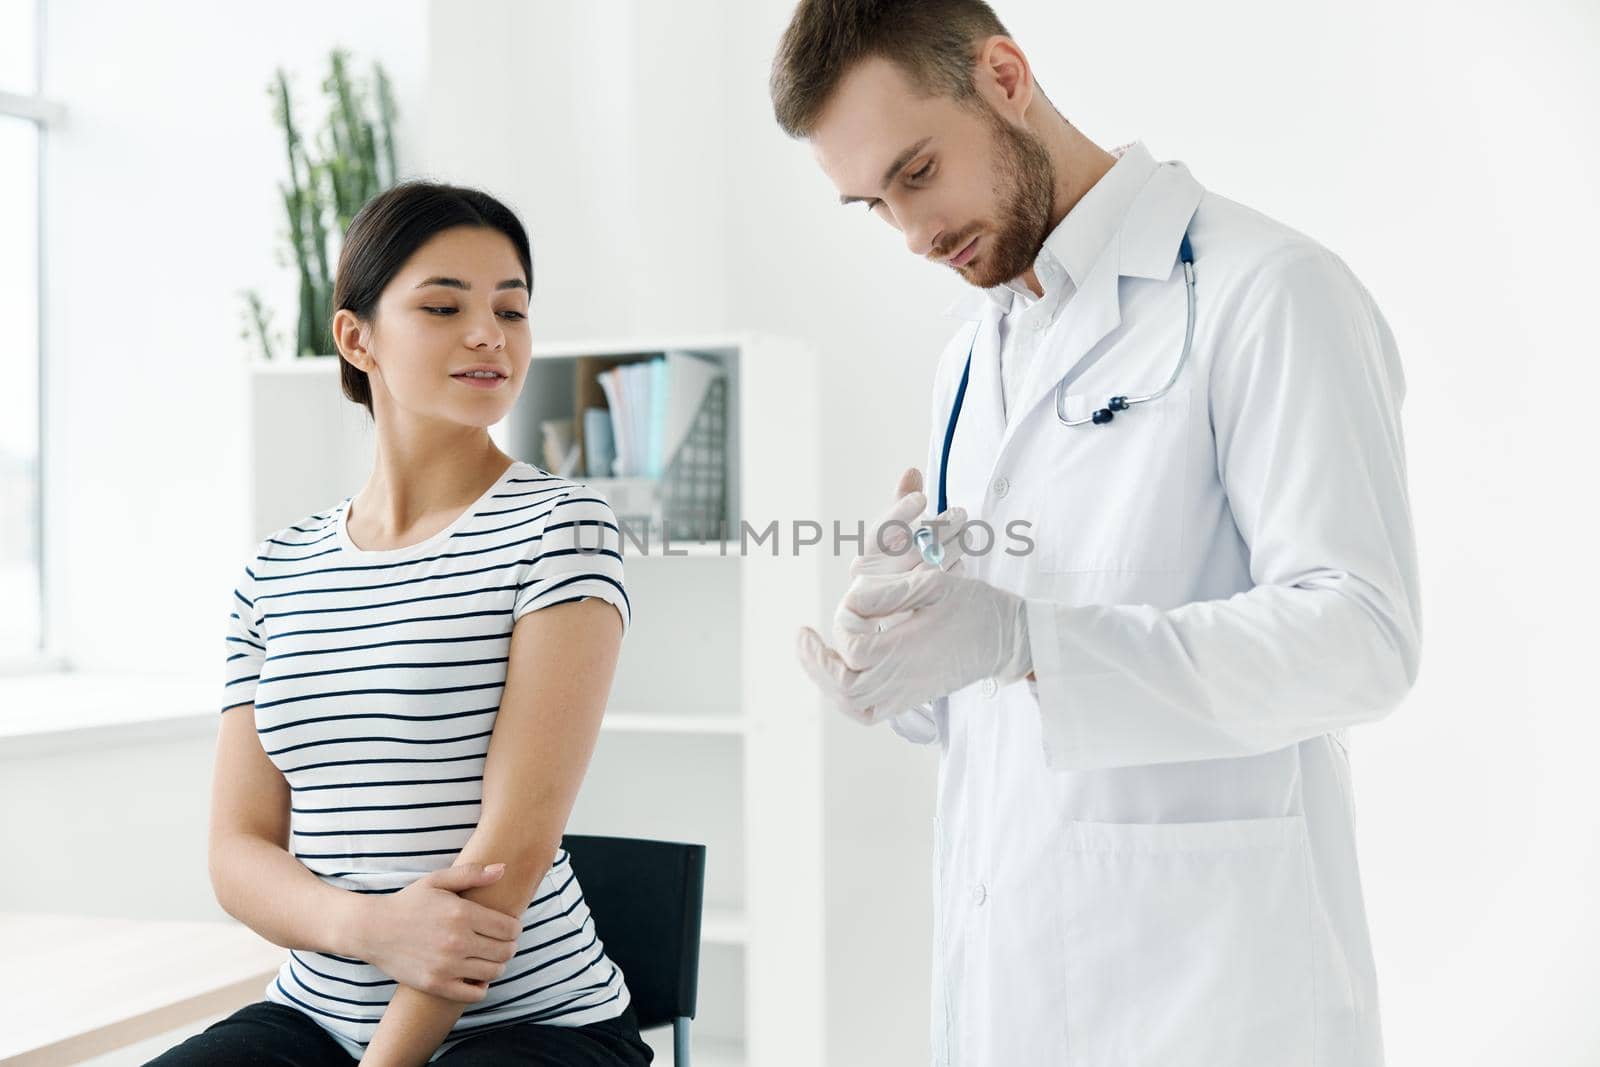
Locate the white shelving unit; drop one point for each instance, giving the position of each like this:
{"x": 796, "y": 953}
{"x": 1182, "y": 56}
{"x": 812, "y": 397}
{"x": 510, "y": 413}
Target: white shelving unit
{"x": 713, "y": 734}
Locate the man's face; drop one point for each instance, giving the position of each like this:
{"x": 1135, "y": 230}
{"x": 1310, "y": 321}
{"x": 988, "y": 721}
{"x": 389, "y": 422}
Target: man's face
{"x": 967, "y": 187}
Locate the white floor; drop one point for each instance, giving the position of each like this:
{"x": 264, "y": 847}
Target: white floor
{"x": 136, "y": 1055}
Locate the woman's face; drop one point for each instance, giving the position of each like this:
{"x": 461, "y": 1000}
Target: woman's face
{"x": 460, "y": 304}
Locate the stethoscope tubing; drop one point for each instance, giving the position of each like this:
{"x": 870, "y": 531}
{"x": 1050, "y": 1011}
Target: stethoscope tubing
{"x": 1100, "y": 417}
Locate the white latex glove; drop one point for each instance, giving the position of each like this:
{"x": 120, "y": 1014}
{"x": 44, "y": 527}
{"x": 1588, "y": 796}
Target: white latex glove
{"x": 960, "y": 630}
{"x": 890, "y": 549}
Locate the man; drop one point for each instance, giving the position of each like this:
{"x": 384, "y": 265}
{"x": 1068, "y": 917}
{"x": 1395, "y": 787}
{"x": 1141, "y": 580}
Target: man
{"x": 1144, "y": 838}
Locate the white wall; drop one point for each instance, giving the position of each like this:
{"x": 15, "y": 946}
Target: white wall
{"x": 115, "y": 825}
{"x": 1447, "y": 152}
{"x": 607, "y": 142}
{"x": 162, "y": 204}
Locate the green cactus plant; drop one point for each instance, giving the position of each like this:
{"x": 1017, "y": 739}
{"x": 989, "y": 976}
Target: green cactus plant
{"x": 351, "y": 161}
{"x": 257, "y": 322}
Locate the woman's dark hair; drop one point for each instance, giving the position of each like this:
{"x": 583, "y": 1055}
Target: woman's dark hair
{"x": 389, "y": 229}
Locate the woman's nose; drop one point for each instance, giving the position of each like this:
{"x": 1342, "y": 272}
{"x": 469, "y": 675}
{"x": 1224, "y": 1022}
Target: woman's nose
{"x": 486, "y": 333}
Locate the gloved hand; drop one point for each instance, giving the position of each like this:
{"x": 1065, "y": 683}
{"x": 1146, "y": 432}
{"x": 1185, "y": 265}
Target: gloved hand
{"x": 891, "y": 549}
{"x": 959, "y": 630}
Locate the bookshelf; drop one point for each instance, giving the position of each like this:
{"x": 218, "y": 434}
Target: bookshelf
{"x": 712, "y": 733}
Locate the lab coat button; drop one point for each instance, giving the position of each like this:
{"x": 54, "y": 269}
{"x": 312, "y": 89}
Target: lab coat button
{"x": 1001, "y": 487}
{"x": 989, "y": 687}
{"x": 979, "y": 894}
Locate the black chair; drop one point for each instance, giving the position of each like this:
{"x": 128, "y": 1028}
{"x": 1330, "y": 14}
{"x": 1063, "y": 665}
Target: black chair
{"x": 646, "y": 897}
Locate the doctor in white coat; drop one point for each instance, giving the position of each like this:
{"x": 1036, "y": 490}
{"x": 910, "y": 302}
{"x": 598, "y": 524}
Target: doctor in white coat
{"x": 1145, "y": 849}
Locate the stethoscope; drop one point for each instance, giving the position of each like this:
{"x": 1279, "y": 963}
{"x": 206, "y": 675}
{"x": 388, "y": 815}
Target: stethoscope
{"x": 1100, "y": 417}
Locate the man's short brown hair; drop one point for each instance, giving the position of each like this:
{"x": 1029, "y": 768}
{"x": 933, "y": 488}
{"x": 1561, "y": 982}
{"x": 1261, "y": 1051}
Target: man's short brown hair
{"x": 933, "y": 41}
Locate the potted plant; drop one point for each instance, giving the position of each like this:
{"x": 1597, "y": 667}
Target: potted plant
{"x": 351, "y": 160}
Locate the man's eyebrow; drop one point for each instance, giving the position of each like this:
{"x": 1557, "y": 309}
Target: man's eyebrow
{"x": 895, "y": 168}
{"x": 457, "y": 283}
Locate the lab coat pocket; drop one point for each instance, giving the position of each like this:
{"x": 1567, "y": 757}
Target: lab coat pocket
{"x": 1189, "y": 944}
{"x": 1117, "y": 492}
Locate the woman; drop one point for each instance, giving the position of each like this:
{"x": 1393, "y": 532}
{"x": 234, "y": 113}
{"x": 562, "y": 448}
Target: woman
{"x": 415, "y": 683}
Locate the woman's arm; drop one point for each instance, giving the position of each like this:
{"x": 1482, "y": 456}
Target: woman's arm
{"x": 419, "y": 935}
{"x": 557, "y": 680}
{"x": 253, "y": 875}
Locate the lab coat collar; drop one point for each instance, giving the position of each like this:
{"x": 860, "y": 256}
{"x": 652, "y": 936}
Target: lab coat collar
{"x": 1083, "y": 233}
{"x": 1145, "y": 246}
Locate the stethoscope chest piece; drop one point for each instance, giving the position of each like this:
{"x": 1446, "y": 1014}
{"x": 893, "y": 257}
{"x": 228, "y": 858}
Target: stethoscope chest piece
{"x": 1101, "y": 416}
{"x": 1109, "y": 412}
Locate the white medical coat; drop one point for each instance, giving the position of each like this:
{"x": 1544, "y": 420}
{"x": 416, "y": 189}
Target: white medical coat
{"x": 1151, "y": 862}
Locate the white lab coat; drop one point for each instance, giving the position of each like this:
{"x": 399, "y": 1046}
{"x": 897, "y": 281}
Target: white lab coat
{"x": 1151, "y": 862}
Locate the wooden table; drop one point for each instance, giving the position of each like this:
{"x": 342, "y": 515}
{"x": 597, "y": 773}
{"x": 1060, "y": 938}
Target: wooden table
{"x": 76, "y": 986}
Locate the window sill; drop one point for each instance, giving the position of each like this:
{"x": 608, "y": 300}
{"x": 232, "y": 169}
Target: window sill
{"x": 66, "y": 709}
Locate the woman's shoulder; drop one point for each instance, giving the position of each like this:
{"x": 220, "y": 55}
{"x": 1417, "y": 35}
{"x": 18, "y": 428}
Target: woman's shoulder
{"x": 569, "y": 496}
{"x": 304, "y": 537}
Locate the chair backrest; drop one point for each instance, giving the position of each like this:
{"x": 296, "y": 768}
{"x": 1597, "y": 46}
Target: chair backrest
{"x": 646, "y": 899}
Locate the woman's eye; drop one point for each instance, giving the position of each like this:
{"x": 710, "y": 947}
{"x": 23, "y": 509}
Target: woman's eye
{"x": 441, "y": 311}
{"x": 923, "y": 171}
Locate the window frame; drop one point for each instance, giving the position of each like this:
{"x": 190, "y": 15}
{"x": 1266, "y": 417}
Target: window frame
{"x": 44, "y": 113}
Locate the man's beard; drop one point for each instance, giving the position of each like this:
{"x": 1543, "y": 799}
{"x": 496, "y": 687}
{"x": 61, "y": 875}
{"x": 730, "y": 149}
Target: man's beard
{"x": 1025, "y": 183}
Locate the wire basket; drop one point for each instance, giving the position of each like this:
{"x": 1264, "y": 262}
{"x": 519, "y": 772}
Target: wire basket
{"x": 694, "y": 484}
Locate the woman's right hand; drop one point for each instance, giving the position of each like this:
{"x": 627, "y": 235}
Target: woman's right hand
{"x": 429, "y": 938}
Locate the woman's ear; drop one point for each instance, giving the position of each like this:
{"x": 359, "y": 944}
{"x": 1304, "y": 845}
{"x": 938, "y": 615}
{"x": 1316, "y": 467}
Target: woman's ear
{"x": 350, "y": 336}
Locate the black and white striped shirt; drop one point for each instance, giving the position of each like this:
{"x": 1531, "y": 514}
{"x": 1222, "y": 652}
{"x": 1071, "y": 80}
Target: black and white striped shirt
{"x": 376, "y": 677}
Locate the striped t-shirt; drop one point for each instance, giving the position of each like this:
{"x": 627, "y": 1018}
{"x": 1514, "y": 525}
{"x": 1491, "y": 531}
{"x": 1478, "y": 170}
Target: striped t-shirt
{"x": 376, "y": 677}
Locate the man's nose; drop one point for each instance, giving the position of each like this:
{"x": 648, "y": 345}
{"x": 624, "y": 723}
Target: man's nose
{"x": 922, "y": 236}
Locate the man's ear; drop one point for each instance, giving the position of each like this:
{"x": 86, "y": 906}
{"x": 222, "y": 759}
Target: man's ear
{"x": 1004, "y": 78}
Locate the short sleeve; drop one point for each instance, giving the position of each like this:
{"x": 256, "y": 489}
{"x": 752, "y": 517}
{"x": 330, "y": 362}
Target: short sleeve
{"x": 579, "y": 555}
{"x": 246, "y": 648}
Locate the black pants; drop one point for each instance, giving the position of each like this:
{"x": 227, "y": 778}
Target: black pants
{"x": 265, "y": 1034}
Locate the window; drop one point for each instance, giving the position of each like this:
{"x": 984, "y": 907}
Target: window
{"x": 22, "y": 118}
{"x": 19, "y": 46}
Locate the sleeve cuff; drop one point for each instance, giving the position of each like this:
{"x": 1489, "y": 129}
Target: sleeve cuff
{"x": 1093, "y": 716}
{"x": 1071, "y": 695}
{"x": 916, "y": 724}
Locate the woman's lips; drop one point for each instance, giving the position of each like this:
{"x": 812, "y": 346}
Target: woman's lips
{"x": 479, "y": 383}
{"x": 961, "y": 258}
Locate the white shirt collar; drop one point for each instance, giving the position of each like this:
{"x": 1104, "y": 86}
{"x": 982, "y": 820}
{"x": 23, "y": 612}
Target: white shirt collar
{"x": 1083, "y": 234}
